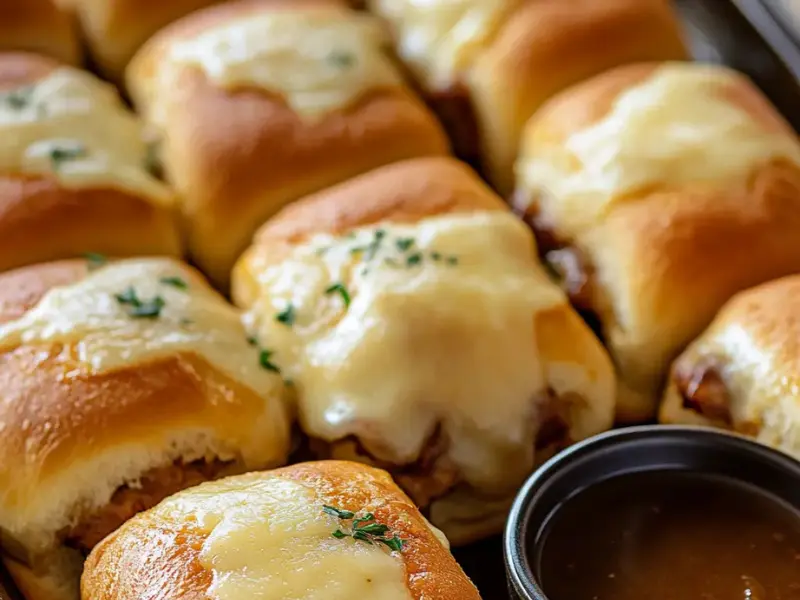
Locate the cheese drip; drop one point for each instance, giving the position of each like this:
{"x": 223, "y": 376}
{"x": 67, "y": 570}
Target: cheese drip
{"x": 72, "y": 126}
{"x": 90, "y": 319}
{"x": 317, "y": 60}
{"x": 676, "y": 128}
{"x": 439, "y": 328}
{"x": 441, "y": 39}
{"x": 268, "y": 538}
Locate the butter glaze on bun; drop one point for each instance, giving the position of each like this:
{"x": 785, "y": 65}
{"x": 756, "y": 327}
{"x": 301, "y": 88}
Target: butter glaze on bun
{"x": 660, "y": 190}
{"x": 422, "y": 335}
{"x": 262, "y": 102}
{"x": 267, "y": 534}
{"x": 73, "y": 169}
{"x": 118, "y": 387}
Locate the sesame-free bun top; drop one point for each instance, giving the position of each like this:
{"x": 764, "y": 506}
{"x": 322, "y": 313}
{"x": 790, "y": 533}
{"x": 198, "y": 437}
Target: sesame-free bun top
{"x": 753, "y": 346}
{"x": 130, "y": 367}
{"x": 267, "y": 535}
{"x": 263, "y": 101}
{"x": 421, "y": 334}
{"x": 73, "y": 169}
{"x": 114, "y": 29}
{"x": 39, "y": 26}
{"x": 510, "y": 56}
{"x": 679, "y": 184}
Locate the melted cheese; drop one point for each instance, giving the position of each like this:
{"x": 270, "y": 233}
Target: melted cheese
{"x": 317, "y": 60}
{"x": 675, "y": 128}
{"x": 440, "y": 39}
{"x": 74, "y": 127}
{"x": 103, "y": 336}
{"x": 268, "y": 538}
{"x": 439, "y": 328}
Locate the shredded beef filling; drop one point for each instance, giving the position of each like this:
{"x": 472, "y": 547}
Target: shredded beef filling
{"x": 703, "y": 391}
{"x": 457, "y": 114}
{"x": 127, "y": 501}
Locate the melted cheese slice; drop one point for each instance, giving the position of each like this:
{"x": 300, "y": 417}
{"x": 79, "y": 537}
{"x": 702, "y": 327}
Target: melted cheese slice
{"x": 72, "y": 126}
{"x": 269, "y": 539}
{"x": 103, "y": 336}
{"x": 439, "y": 328}
{"x": 440, "y": 39}
{"x": 675, "y": 128}
{"x": 317, "y": 60}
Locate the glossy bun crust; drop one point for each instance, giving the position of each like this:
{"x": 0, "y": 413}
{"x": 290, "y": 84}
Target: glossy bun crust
{"x": 72, "y": 439}
{"x": 238, "y": 156}
{"x": 153, "y": 555}
{"x": 39, "y": 26}
{"x": 114, "y": 29}
{"x": 41, "y": 220}
{"x": 655, "y": 263}
{"x": 582, "y": 382}
{"x": 743, "y": 372}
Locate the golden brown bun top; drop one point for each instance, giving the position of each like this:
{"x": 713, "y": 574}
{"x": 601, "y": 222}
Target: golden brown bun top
{"x": 168, "y": 551}
{"x": 38, "y": 26}
{"x": 91, "y": 398}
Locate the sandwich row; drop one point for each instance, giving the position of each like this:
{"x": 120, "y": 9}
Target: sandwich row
{"x": 402, "y": 320}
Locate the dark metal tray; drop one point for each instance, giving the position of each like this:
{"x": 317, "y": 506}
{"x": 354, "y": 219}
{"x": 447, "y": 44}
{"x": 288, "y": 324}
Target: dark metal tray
{"x": 745, "y": 36}
{"x": 749, "y": 36}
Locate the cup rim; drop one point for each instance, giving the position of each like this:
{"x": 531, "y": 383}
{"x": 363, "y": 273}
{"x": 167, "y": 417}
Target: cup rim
{"x": 518, "y": 568}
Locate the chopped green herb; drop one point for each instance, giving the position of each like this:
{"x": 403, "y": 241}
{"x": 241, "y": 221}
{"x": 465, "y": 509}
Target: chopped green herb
{"x": 184, "y": 321}
{"x": 452, "y": 260}
{"x": 62, "y": 154}
{"x": 175, "y": 281}
{"x": 140, "y": 308}
{"x": 265, "y": 360}
{"x": 436, "y": 256}
{"x": 95, "y": 260}
{"x": 336, "y": 512}
{"x": 404, "y": 244}
{"x": 341, "y": 59}
{"x": 287, "y": 315}
{"x": 363, "y": 529}
{"x": 252, "y": 340}
{"x": 149, "y": 309}
{"x": 19, "y": 98}
{"x": 338, "y": 288}
{"x": 413, "y": 259}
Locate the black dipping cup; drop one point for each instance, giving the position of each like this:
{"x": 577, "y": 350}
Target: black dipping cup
{"x": 625, "y": 451}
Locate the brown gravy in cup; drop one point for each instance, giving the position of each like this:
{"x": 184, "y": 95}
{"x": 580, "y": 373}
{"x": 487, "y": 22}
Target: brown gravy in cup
{"x": 671, "y": 535}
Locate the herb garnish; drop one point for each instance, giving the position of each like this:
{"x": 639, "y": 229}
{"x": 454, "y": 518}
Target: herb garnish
{"x": 252, "y": 340}
{"x": 175, "y": 282}
{"x": 338, "y": 288}
{"x": 364, "y": 529}
{"x": 341, "y": 59}
{"x": 140, "y": 308}
{"x": 287, "y": 315}
{"x": 62, "y": 154}
{"x": 19, "y": 98}
{"x": 413, "y": 259}
{"x": 265, "y": 360}
{"x": 404, "y": 244}
{"x": 95, "y": 260}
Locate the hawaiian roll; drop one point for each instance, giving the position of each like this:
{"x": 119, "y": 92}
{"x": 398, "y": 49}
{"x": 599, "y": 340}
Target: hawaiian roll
{"x": 421, "y": 334}
{"x": 262, "y": 102}
{"x": 120, "y": 384}
{"x": 658, "y": 191}
{"x": 75, "y": 169}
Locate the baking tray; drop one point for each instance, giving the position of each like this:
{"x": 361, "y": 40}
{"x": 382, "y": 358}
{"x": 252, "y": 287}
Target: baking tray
{"x": 753, "y": 36}
{"x": 738, "y": 33}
